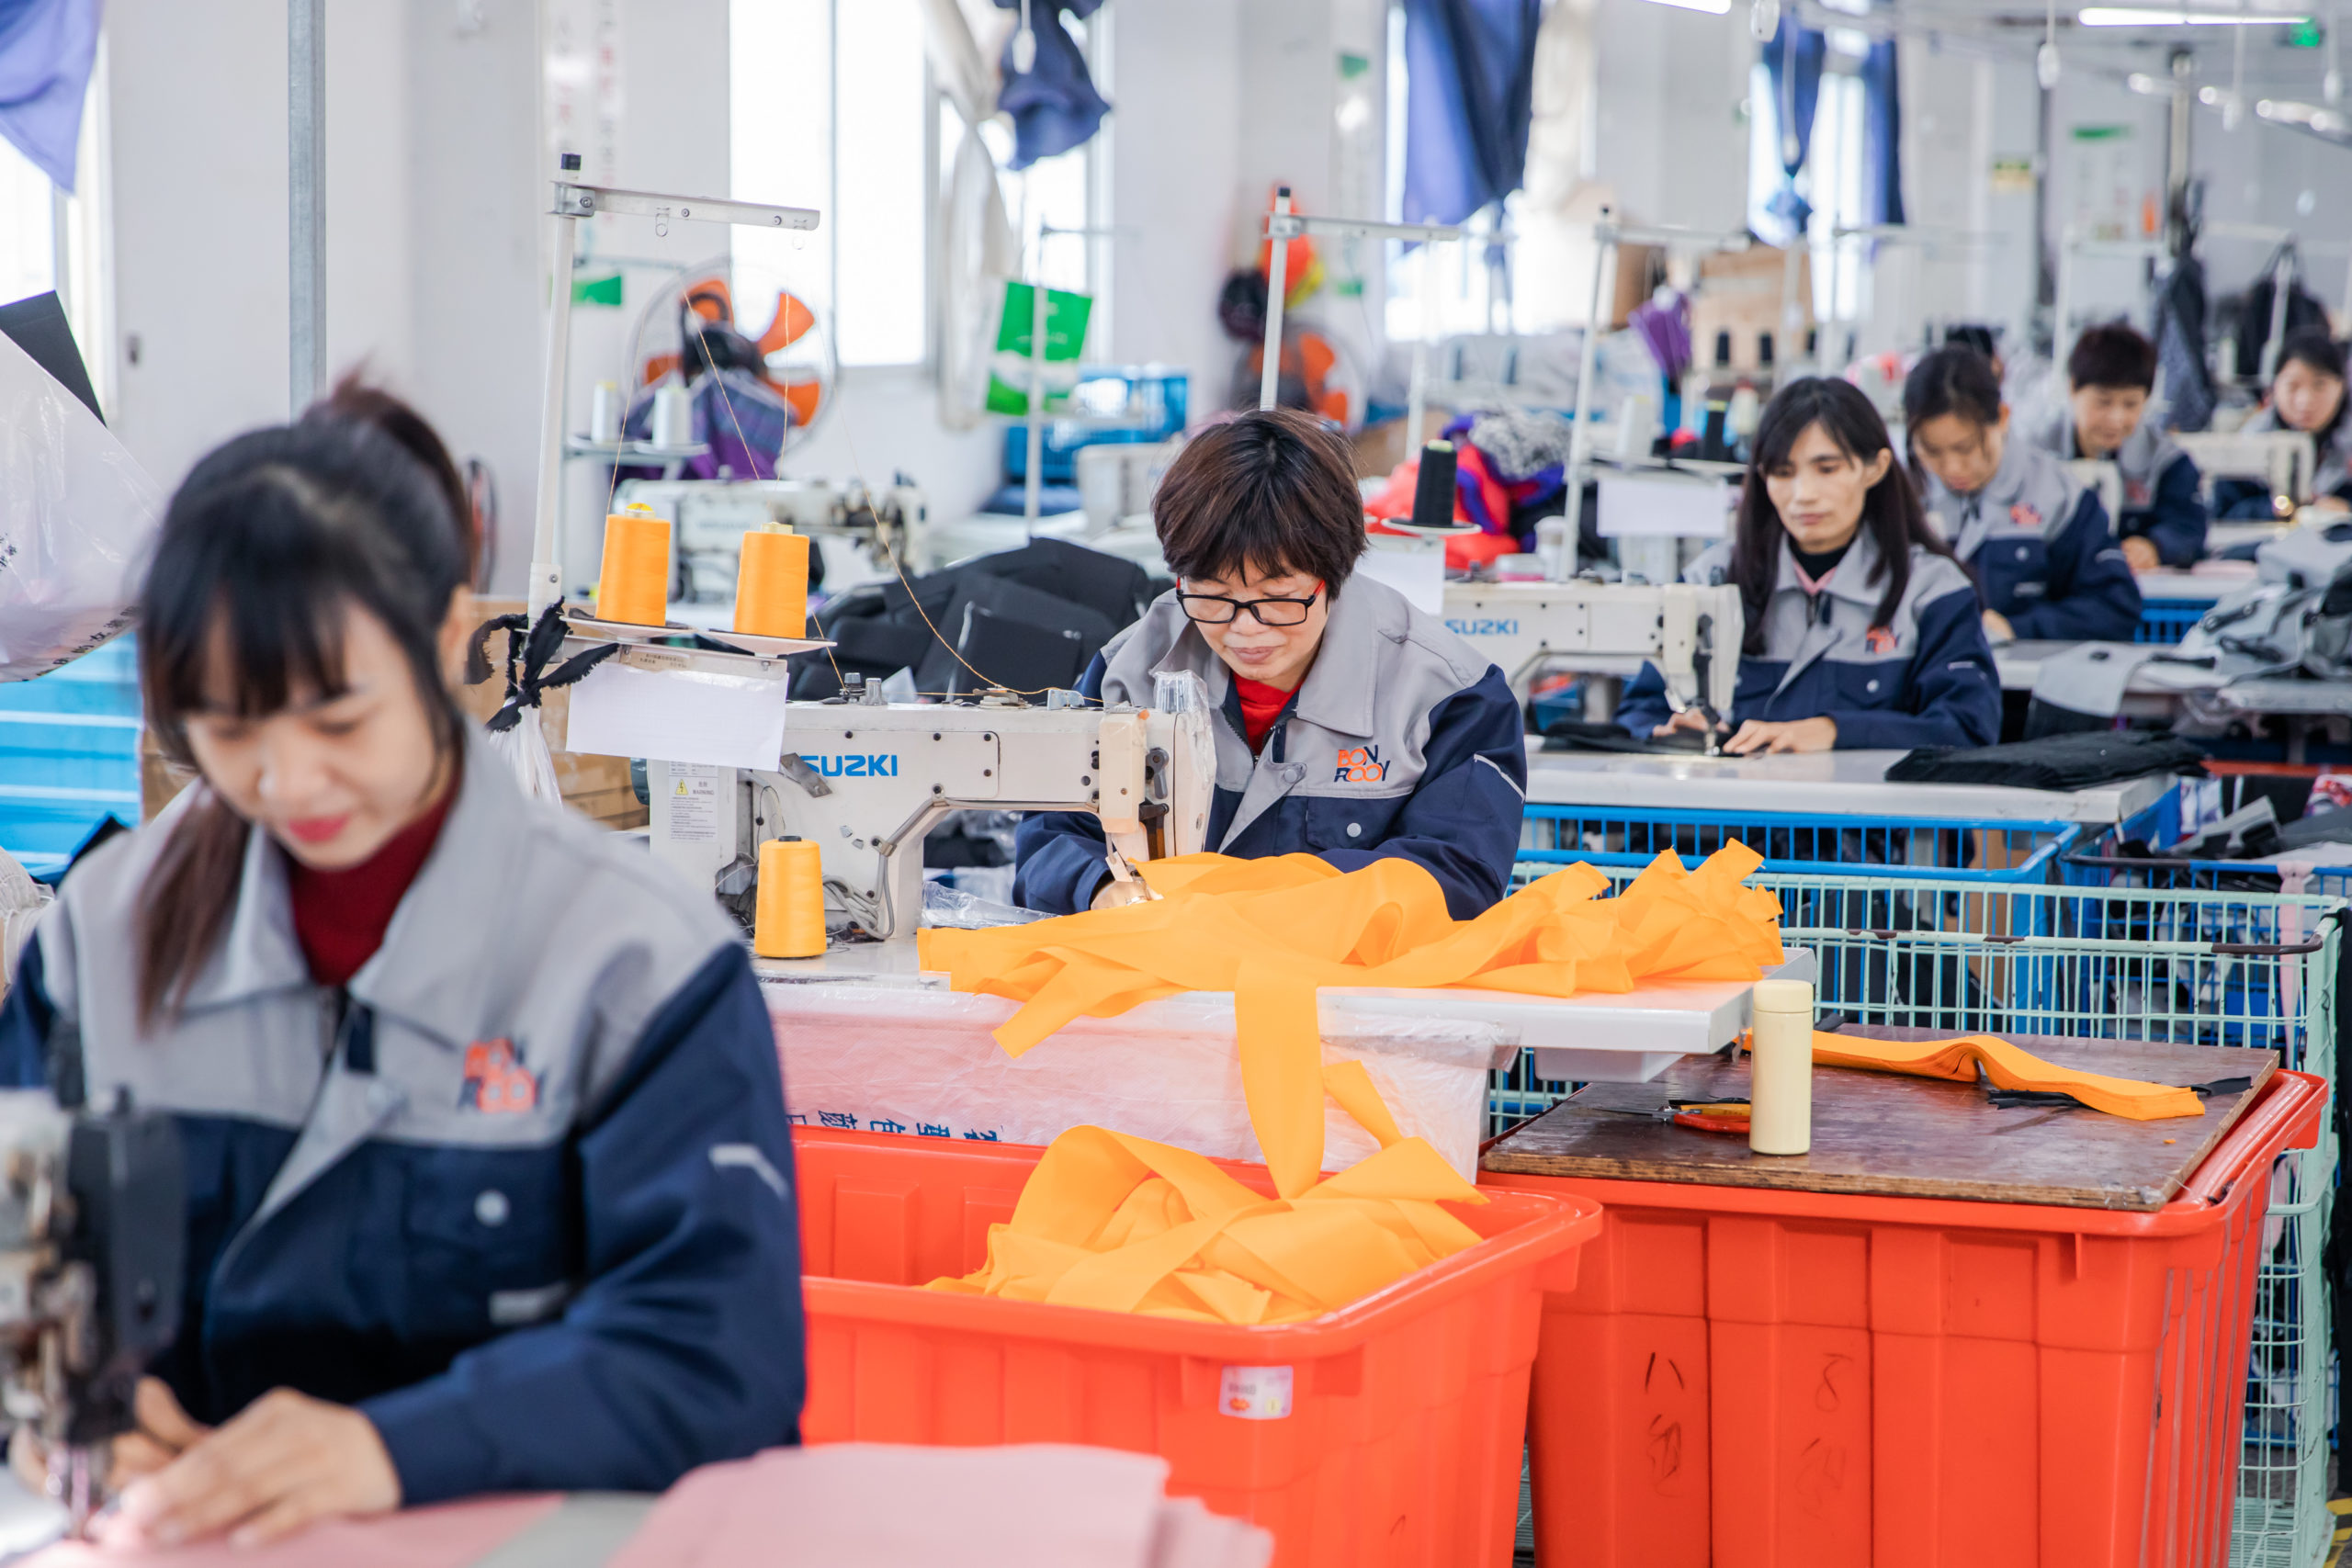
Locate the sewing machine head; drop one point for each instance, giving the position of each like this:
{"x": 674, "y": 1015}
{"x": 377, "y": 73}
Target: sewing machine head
{"x": 844, "y": 520}
{"x": 1691, "y": 633}
{"x": 866, "y": 780}
{"x": 93, "y": 1225}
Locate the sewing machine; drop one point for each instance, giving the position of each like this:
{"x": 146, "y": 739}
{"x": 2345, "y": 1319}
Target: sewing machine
{"x": 1607, "y": 628}
{"x": 866, "y": 780}
{"x": 92, "y": 1239}
{"x": 858, "y": 531}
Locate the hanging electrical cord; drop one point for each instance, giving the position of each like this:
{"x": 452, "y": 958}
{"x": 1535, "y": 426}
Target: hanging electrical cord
{"x": 2045, "y": 59}
{"x": 2234, "y": 111}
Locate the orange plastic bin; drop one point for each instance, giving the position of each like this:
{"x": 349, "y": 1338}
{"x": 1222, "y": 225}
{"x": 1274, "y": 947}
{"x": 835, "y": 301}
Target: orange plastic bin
{"x": 1385, "y": 1433}
{"x": 1753, "y": 1378}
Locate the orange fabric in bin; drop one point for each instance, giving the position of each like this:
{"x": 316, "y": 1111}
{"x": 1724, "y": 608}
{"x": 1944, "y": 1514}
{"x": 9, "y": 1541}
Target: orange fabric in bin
{"x": 2009, "y": 1066}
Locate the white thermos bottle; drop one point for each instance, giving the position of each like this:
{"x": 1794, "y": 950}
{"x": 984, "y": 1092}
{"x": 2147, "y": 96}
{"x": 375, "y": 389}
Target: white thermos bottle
{"x": 1779, "y": 1093}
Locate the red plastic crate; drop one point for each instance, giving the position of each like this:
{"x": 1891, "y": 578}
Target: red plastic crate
{"x": 1746, "y": 1377}
{"x": 1402, "y": 1446}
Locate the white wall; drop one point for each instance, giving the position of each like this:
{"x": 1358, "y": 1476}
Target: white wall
{"x": 1670, "y": 139}
{"x": 1177, "y": 115}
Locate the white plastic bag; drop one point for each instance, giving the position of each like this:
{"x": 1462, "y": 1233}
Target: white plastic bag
{"x": 77, "y": 519}
{"x": 21, "y": 902}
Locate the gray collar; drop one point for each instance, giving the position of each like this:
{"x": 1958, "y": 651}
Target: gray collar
{"x": 1852, "y": 582}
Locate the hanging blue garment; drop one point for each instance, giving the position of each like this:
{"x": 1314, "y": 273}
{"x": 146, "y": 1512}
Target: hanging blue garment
{"x": 1792, "y": 60}
{"x": 1469, "y": 95}
{"x": 1054, "y": 105}
{"x": 1882, "y": 136}
{"x": 46, "y": 50}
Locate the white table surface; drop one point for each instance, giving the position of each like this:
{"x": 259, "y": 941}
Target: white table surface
{"x": 2208, "y": 581}
{"x": 1816, "y": 783}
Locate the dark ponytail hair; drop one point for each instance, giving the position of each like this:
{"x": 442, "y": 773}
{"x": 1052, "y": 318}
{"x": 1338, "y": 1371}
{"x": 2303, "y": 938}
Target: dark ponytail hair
{"x": 1954, "y": 380}
{"x": 268, "y": 545}
{"x": 1891, "y": 512}
{"x": 360, "y": 402}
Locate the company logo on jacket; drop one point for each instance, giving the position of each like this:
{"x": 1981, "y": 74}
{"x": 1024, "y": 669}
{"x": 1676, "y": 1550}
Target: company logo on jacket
{"x": 1360, "y": 764}
{"x": 2025, "y": 516}
{"x": 497, "y": 1083}
{"x": 1880, "y": 640}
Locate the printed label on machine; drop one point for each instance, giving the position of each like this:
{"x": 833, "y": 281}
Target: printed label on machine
{"x": 694, "y": 804}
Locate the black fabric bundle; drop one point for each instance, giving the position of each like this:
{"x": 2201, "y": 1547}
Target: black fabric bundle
{"x": 1027, "y": 619}
{"x": 2056, "y": 762}
{"x": 1578, "y": 734}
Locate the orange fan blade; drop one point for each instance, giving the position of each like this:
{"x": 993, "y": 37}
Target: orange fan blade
{"x": 793, "y": 320}
{"x": 657, "y": 366}
{"x": 803, "y": 396}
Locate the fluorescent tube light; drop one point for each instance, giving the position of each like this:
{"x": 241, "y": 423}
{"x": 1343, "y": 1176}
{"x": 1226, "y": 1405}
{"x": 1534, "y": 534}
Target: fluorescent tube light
{"x": 1713, "y": 7}
{"x": 2133, "y": 17}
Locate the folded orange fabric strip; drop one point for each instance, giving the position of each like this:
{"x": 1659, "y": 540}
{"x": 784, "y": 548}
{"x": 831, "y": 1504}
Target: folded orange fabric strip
{"x": 2009, "y": 1066}
{"x": 1272, "y": 932}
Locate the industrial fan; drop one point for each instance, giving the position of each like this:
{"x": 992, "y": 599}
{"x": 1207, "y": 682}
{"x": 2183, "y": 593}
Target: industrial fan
{"x": 795, "y": 348}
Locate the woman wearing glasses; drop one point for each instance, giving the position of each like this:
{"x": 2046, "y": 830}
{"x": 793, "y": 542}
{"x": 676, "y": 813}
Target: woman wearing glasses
{"x": 1354, "y": 726}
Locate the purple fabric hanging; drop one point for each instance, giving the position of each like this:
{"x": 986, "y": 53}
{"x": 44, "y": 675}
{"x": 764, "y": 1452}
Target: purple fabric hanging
{"x": 47, "y": 48}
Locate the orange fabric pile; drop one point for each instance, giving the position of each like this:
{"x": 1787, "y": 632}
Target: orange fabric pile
{"x": 1123, "y": 1224}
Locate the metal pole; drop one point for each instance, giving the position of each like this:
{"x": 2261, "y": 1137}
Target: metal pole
{"x": 306, "y": 216}
{"x": 1032, "y": 483}
{"x": 2183, "y": 114}
{"x": 2063, "y": 305}
{"x": 1269, "y": 373}
{"x": 1417, "y": 395}
{"x": 1604, "y": 252}
{"x": 547, "y": 556}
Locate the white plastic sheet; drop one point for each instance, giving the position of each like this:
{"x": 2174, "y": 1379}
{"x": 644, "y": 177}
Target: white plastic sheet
{"x": 924, "y": 1063}
{"x": 77, "y": 518}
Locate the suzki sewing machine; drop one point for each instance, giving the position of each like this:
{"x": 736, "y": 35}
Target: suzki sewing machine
{"x": 866, "y": 780}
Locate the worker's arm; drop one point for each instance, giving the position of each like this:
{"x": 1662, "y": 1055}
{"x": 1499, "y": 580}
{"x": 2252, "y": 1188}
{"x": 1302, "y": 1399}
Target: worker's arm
{"x": 684, "y": 1345}
{"x": 1951, "y": 695}
{"x": 25, "y": 1021}
{"x": 1462, "y": 823}
{"x": 1057, "y": 855}
{"x": 2092, "y": 595}
{"x": 2175, "y": 520}
{"x": 2243, "y": 500}
{"x": 1641, "y": 708}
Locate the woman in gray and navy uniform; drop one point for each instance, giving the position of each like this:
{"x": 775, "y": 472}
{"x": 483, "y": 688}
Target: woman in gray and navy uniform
{"x": 1353, "y": 726}
{"x": 489, "y": 1171}
{"x": 2039, "y": 543}
{"x": 1861, "y": 629}
{"x": 2308, "y": 393}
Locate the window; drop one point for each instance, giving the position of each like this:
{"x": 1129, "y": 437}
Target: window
{"x": 830, "y": 109}
{"x": 28, "y": 228}
{"x": 1462, "y": 286}
{"x": 1831, "y": 181}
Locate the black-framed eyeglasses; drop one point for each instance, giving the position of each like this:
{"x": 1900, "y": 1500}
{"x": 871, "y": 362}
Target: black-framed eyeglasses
{"x": 1216, "y": 610}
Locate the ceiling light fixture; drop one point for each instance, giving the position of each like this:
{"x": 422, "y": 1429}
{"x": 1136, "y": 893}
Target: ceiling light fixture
{"x": 2136, "y": 16}
{"x": 1713, "y": 7}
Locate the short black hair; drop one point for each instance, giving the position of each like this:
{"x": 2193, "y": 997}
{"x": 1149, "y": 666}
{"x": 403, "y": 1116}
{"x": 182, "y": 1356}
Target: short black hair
{"x": 2313, "y": 347}
{"x": 1271, "y": 491}
{"x": 2115, "y": 355}
{"x": 1969, "y": 335}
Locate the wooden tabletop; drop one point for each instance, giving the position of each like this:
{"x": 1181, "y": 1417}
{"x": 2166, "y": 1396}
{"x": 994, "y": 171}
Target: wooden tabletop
{"x": 1910, "y": 1137}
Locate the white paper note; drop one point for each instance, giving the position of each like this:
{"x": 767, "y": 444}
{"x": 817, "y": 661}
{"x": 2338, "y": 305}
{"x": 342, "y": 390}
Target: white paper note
{"x": 1418, "y": 573}
{"x": 679, "y": 716}
{"x": 1683, "y": 508}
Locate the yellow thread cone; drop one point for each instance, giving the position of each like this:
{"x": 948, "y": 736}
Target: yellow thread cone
{"x": 634, "y": 585}
{"x": 789, "y": 919}
{"x": 772, "y": 584}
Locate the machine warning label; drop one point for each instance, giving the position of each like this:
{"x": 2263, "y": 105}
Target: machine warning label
{"x": 694, "y": 805}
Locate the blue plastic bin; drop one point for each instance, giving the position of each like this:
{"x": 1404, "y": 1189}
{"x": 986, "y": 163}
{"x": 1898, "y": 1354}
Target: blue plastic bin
{"x": 69, "y": 754}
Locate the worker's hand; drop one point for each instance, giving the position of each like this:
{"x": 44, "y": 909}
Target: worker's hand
{"x": 2330, "y": 506}
{"x": 2140, "y": 554}
{"x": 1756, "y": 737}
{"x": 1997, "y": 627}
{"x": 164, "y": 1430}
{"x": 1690, "y": 720}
{"x": 285, "y": 1463}
{"x": 1115, "y": 893}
